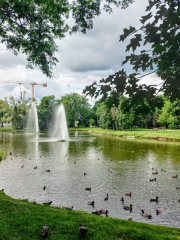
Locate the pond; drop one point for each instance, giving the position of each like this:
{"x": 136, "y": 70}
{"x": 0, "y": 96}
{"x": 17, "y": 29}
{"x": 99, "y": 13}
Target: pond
{"x": 129, "y": 171}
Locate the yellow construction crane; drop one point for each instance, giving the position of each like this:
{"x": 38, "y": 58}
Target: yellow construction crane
{"x": 24, "y": 83}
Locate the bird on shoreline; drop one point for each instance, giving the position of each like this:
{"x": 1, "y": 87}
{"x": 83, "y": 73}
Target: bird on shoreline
{"x": 83, "y": 229}
{"x": 45, "y": 230}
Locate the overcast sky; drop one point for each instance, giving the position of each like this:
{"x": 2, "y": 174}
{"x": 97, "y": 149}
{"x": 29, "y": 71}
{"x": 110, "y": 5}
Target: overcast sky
{"x": 83, "y": 58}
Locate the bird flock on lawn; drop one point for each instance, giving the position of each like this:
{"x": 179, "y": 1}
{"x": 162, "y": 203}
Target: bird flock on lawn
{"x": 83, "y": 229}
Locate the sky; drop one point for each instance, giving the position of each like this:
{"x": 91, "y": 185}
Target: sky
{"x": 83, "y": 58}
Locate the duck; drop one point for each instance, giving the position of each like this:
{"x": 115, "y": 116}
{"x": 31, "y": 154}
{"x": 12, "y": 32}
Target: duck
{"x": 178, "y": 200}
{"x": 68, "y": 208}
{"x": 128, "y": 207}
{"x": 35, "y": 167}
{"x": 96, "y": 212}
{"x": 174, "y": 176}
{"x": 154, "y": 169}
{"x": 155, "y": 172}
{"x": 148, "y": 215}
{"x": 91, "y": 203}
{"x": 85, "y": 173}
{"x": 22, "y": 166}
{"x": 44, "y": 187}
{"x": 122, "y": 199}
{"x": 177, "y": 187}
{"x": 74, "y": 162}
{"x": 106, "y": 198}
{"x": 130, "y": 218}
{"x": 103, "y": 211}
{"x": 154, "y": 199}
{"x": 48, "y": 170}
{"x": 128, "y": 194}
{"x": 152, "y": 179}
{"x": 158, "y": 211}
{"x": 162, "y": 170}
{"x": 88, "y": 188}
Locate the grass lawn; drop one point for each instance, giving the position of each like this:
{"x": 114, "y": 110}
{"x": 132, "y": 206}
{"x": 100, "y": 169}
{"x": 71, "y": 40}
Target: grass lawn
{"x": 5, "y": 129}
{"x": 20, "y": 219}
{"x": 138, "y": 133}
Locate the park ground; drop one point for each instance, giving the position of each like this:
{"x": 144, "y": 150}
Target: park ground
{"x": 21, "y": 219}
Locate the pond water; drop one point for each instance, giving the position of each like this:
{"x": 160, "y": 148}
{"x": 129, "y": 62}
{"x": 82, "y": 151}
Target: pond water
{"x": 129, "y": 171}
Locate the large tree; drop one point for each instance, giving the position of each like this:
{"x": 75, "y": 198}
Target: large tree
{"x": 156, "y": 44}
{"x": 77, "y": 108}
{"x": 31, "y": 26}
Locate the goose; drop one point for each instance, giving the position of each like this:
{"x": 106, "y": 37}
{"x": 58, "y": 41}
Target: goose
{"x": 130, "y": 218}
{"x": 106, "y": 198}
{"x": 154, "y": 199}
{"x": 35, "y": 167}
{"x": 122, "y": 199}
{"x": 96, "y": 212}
{"x": 85, "y": 173}
{"x": 2, "y": 190}
{"x": 155, "y": 172}
{"x": 128, "y": 207}
{"x": 74, "y": 162}
{"x": 103, "y": 211}
{"x": 158, "y": 211}
{"x": 91, "y": 203}
{"x": 44, "y": 187}
{"x": 49, "y": 203}
{"x": 177, "y": 187}
{"x": 174, "y": 176}
{"x": 152, "y": 179}
{"x": 68, "y": 208}
{"x": 148, "y": 215}
{"x": 88, "y": 188}
{"x": 178, "y": 200}
{"x": 48, "y": 170}
{"x": 128, "y": 194}
{"x": 162, "y": 170}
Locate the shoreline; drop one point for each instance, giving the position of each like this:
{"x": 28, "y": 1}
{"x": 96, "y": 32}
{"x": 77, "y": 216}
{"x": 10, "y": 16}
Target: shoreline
{"x": 166, "y": 136}
{"x": 21, "y": 219}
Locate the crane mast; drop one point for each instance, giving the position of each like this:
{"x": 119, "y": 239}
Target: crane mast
{"x": 24, "y": 83}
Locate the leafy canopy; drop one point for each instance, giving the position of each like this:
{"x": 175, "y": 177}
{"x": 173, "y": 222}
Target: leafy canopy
{"x": 154, "y": 48}
{"x": 31, "y": 26}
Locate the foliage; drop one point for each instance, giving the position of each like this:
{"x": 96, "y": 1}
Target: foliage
{"x": 4, "y": 106}
{"x": 105, "y": 117}
{"x": 32, "y": 26}
{"x": 92, "y": 122}
{"x": 148, "y": 121}
{"x": 115, "y": 112}
{"x": 77, "y": 108}
{"x": 159, "y": 36}
{"x": 45, "y": 111}
{"x": 155, "y": 119}
{"x": 16, "y": 111}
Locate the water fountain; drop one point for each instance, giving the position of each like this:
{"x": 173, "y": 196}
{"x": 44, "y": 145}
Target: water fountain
{"x": 60, "y": 129}
{"x": 32, "y": 120}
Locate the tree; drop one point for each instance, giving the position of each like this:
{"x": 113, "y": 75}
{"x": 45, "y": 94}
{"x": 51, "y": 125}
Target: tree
{"x": 115, "y": 112}
{"x": 105, "y": 117}
{"x": 4, "y": 109}
{"x": 77, "y": 108}
{"x": 155, "y": 120}
{"x": 45, "y": 111}
{"x": 148, "y": 121}
{"x": 125, "y": 116}
{"x": 17, "y": 110}
{"x": 159, "y": 34}
{"x": 31, "y": 26}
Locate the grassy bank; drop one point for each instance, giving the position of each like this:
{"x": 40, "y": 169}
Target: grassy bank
{"x": 23, "y": 220}
{"x": 5, "y": 129}
{"x": 167, "y": 135}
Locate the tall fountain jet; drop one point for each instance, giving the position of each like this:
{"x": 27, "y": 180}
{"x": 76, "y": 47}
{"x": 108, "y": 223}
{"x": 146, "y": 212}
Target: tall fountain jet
{"x": 32, "y": 122}
{"x": 60, "y": 129}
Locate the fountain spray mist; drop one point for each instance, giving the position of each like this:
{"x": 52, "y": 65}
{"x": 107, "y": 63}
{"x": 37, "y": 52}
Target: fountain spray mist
{"x": 60, "y": 129}
{"x": 32, "y": 121}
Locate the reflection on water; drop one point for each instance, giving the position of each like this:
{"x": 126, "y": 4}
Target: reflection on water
{"x": 129, "y": 171}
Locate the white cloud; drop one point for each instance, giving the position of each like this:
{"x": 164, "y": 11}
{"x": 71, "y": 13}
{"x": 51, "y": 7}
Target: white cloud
{"x": 82, "y": 58}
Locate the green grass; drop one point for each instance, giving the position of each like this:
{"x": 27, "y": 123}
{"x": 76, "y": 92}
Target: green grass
{"x": 5, "y": 129}
{"x": 138, "y": 133}
{"x": 20, "y": 219}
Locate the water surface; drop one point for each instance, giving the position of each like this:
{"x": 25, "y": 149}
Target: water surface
{"x": 129, "y": 171}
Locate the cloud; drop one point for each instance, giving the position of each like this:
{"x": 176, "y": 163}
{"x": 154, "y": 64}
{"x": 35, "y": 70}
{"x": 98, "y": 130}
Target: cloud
{"x": 83, "y": 58}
